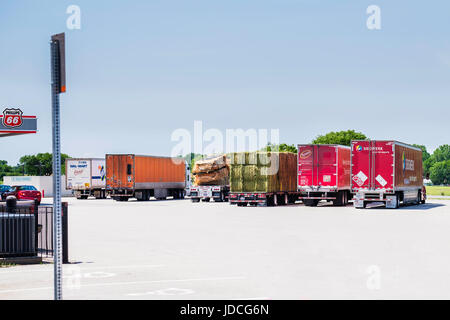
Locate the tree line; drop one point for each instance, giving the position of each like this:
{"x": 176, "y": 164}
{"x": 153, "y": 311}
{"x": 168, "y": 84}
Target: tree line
{"x": 40, "y": 164}
{"x": 436, "y": 166}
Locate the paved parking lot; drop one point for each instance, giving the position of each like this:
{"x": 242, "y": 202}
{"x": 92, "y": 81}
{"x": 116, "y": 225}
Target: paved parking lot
{"x": 175, "y": 249}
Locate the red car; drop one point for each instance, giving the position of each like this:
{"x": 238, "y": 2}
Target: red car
{"x": 24, "y": 193}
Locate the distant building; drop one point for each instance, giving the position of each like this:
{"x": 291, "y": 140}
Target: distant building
{"x": 43, "y": 183}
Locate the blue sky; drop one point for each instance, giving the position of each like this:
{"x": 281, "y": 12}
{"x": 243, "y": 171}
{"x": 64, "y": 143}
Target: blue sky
{"x": 138, "y": 70}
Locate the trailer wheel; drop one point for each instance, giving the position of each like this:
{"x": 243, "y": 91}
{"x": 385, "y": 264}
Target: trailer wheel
{"x": 397, "y": 200}
{"x": 195, "y": 199}
{"x": 206, "y": 199}
{"x": 292, "y": 199}
{"x": 340, "y": 199}
{"x": 84, "y": 197}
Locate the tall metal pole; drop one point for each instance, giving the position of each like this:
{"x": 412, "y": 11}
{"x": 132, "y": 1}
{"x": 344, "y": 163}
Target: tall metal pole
{"x": 57, "y": 209}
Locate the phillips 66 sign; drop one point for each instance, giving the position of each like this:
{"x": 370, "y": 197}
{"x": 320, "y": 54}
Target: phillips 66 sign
{"x": 12, "y": 118}
{"x": 14, "y": 123}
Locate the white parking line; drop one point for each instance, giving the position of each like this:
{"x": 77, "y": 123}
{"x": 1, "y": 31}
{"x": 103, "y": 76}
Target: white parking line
{"x": 127, "y": 283}
{"x": 50, "y": 268}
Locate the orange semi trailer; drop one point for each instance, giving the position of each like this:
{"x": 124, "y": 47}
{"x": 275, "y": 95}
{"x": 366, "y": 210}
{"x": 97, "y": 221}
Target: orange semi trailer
{"x": 142, "y": 177}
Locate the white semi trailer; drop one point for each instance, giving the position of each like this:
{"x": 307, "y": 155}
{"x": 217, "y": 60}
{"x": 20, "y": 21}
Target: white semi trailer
{"x": 86, "y": 177}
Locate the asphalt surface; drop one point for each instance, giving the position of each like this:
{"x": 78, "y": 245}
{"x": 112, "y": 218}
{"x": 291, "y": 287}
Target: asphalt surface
{"x": 176, "y": 249}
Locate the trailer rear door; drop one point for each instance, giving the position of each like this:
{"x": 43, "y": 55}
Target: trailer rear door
{"x": 327, "y": 166}
{"x": 372, "y": 165}
{"x": 120, "y": 171}
{"x": 317, "y": 166}
{"x": 305, "y": 165}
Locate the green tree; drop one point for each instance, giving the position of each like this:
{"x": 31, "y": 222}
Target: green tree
{"x": 427, "y": 164}
{"x": 340, "y": 137}
{"x": 440, "y": 172}
{"x": 442, "y": 153}
{"x": 41, "y": 164}
{"x": 283, "y": 147}
{"x": 7, "y": 170}
{"x": 425, "y": 156}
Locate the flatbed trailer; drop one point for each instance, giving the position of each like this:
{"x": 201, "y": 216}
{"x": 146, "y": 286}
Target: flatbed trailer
{"x": 263, "y": 199}
{"x": 324, "y": 174}
{"x": 207, "y": 193}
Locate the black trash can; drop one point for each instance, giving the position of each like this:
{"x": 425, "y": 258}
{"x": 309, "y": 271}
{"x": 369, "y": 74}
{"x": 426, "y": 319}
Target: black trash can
{"x": 17, "y": 235}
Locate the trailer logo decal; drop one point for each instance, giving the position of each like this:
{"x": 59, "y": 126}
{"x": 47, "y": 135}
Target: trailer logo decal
{"x": 12, "y": 118}
{"x": 305, "y": 154}
{"x": 359, "y": 148}
{"x": 78, "y": 172}
{"x": 407, "y": 163}
{"x": 102, "y": 172}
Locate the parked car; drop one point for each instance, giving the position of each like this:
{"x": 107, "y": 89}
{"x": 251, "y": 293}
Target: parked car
{"x": 24, "y": 193}
{"x": 3, "y": 189}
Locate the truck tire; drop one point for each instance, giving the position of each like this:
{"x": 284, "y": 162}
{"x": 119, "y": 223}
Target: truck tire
{"x": 84, "y": 197}
{"x": 292, "y": 199}
{"x": 102, "y": 195}
{"x": 340, "y": 199}
{"x": 206, "y": 199}
{"x": 195, "y": 199}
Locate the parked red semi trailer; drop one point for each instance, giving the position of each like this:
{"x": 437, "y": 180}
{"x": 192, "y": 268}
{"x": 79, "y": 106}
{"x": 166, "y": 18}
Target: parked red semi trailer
{"x": 386, "y": 171}
{"x": 324, "y": 173}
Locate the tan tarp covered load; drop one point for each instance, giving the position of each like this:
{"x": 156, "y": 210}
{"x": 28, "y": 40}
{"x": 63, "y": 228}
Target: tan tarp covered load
{"x": 263, "y": 172}
{"x": 211, "y": 172}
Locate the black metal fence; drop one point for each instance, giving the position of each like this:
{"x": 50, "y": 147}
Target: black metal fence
{"x": 27, "y": 230}
{"x": 45, "y": 231}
